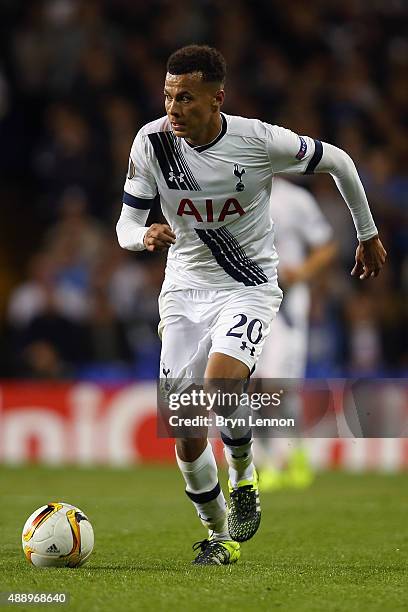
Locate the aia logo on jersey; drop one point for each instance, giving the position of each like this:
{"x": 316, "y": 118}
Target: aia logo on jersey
{"x": 239, "y": 173}
{"x": 231, "y": 207}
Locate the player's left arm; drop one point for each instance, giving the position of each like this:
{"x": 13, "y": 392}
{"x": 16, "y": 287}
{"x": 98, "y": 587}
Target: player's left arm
{"x": 289, "y": 152}
{"x": 370, "y": 253}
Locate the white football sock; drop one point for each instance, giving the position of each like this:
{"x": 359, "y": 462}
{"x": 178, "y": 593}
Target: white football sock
{"x": 203, "y": 488}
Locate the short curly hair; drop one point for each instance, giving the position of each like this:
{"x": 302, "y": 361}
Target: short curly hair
{"x": 198, "y": 58}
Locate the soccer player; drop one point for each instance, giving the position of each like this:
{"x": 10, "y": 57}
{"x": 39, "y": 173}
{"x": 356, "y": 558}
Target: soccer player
{"x": 305, "y": 246}
{"x": 214, "y": 173}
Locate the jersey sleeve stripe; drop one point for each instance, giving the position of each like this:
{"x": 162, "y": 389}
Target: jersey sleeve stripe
{"x": 134, "y": 202}
{"x": 317, "y": 156}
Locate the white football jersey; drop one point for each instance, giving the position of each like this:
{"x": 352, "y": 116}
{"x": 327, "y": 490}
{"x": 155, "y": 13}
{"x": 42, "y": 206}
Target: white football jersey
{"x": 216, "y": 197}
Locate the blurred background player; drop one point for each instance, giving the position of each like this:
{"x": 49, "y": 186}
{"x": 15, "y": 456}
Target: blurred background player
{"x": 305, "y": 246}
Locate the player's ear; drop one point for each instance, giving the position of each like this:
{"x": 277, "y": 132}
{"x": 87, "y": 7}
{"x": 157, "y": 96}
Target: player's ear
{"x": 219, "y": 98}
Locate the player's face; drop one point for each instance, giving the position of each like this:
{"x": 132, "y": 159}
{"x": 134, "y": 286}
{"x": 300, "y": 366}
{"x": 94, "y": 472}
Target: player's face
{"x": 193, "y": 107}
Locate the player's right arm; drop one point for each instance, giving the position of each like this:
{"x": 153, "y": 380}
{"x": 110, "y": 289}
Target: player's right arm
{"x": 138, "y": 197}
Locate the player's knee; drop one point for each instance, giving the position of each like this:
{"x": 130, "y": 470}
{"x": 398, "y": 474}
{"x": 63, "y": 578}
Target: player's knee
{"x": 221, "y": 366}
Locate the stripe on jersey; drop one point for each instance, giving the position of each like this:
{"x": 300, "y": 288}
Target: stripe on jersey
{"x": 317, "y": 156}
{"x": 231, "y": 257}
{"x": 176, "y": 143}
{"x": 134, "y": 202}
{"x": 237, "y": 249}
{"x": 172, "y": 162}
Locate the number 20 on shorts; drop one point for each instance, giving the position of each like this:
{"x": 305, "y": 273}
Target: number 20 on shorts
{"x": 253, "y": 330}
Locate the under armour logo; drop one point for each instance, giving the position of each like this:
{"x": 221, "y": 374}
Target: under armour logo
{"x": 244, "y": 346}
{"x": 238, "y": 173}
{"x": 175, "y": 177}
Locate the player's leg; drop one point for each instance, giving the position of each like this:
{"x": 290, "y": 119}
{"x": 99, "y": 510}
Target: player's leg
{"x": 232, "y": 374}
{"x": 203, "y": 489}
{"x": 237, "y": 341}
{"x": 182, "y": 326}
{"x": 228, "y": 375}
{"x": 202, "y": 484}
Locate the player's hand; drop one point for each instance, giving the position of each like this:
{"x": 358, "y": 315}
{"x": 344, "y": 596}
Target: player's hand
{"x": 159, "y": 237}
{"x": 370, "y": 258}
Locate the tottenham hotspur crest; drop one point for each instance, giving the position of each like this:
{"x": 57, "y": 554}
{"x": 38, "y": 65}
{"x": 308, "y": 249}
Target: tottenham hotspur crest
{"x": 238, "y": 173}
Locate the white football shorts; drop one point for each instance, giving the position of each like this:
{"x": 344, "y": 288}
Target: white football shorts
{"x": 198, "y": 322}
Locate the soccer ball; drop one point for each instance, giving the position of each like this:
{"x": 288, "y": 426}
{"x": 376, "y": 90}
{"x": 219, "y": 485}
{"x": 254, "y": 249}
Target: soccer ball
{"x": 57, "y": 535}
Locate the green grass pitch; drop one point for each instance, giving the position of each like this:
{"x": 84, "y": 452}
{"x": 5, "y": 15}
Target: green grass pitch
{"x": 340, "y": 545}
